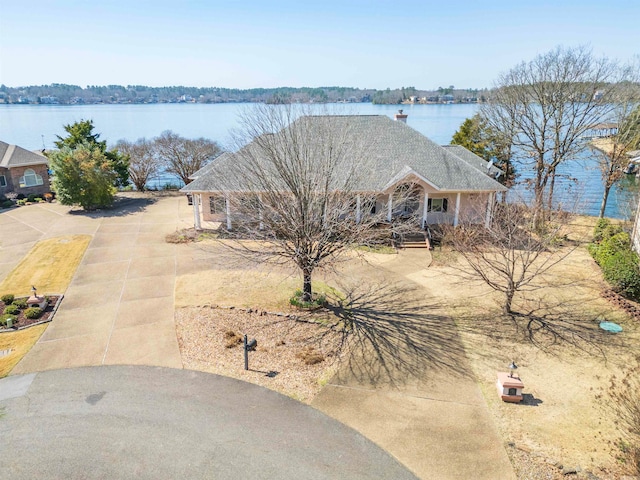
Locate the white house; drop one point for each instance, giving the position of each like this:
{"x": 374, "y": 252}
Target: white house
{"x": 449, "y": 182}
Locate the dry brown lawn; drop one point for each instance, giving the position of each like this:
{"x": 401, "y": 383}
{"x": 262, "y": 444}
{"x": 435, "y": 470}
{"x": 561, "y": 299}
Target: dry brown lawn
{"x": 50, "y": 266}
{"x": 19, "y": 343}
{"x": 567, "y": 417}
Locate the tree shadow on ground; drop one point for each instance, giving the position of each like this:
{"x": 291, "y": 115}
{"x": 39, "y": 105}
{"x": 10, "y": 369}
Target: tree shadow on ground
{"x": 395, "y": 336}
{"x": 122, "y": 207}
{"x": 550, "y": 326}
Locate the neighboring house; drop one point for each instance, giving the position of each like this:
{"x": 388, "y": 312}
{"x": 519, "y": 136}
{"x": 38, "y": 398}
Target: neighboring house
{"x": 22, "y": 171}
{"x": 449, "y": 183}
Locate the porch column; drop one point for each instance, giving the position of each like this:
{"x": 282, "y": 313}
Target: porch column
{"x": 195, "y": 200}
{"x": 424, "y": 209}
{"x": 228, "y": 210}
{"x": 358, "y": 209}
{"x": 457, "y": 211}
{"x": 389, "y": 208}
{"x": 487, "y": 220}
{"x": 261, "y": 227}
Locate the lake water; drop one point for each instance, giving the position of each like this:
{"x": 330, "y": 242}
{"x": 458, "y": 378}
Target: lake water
{"x": 36, "y": 126}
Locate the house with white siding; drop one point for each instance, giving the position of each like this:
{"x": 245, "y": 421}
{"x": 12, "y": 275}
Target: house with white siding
{"x": 448, "y": 183}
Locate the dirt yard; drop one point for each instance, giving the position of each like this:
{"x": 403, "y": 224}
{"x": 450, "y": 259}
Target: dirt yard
{"x": 567, "y": 419}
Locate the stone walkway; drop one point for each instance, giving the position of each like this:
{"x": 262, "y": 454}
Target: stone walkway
{"x": 120, "y": 304}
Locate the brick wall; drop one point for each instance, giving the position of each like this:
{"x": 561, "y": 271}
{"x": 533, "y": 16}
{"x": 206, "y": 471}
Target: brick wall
{"x": 16, "y": 172}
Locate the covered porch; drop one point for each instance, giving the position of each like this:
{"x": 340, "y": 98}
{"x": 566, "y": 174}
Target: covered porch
{"x": 412, "y": 201}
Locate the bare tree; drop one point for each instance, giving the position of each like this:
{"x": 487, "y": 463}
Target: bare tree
{"x": 611, "y": 152}
{"x": 182, "y": 156}
{"x": 546, "y": 106}
{"x": 510, "y": 254}
{"x": 143, "y": 163}
{"x": 305, "y": 198}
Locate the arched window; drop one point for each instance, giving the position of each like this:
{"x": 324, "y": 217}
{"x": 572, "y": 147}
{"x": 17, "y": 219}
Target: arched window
{"x": 30, "y": 179}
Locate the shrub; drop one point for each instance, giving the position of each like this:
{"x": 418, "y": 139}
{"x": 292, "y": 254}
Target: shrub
{"x": 21, "y": 201}
{"x": 317, "y": 301}
{"x": 619, "y": 263}
{"x": 310, "y": 356}
{"x": 7, "y": 299}
{"x": 21, "y": 303}
{"x": 232, "y": 339}
{"x": 33, "y": 312}
{"x": 12, "y": 310}
{"x": 20, "y": 196}
{"x": 6, "y": 204}
{"x": 604, "y": 230}
{"x": 5, "y": 317}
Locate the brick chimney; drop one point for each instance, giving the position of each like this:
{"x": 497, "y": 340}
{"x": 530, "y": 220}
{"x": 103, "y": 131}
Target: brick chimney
{"x": 400, "y": 116}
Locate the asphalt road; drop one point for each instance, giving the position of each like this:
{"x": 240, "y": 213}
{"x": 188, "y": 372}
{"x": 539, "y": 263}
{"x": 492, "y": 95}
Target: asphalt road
{"x": 160, "y": 423}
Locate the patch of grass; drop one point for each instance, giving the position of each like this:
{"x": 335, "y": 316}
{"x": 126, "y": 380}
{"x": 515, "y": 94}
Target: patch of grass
{"x": 50, "y": 266}
{"x": 444, "y": 256}
{"x": 318, "y": 300}
{"x": 189, "y": 235}
{"x": 20, "y": 343}
{"x": 382, "y": 249}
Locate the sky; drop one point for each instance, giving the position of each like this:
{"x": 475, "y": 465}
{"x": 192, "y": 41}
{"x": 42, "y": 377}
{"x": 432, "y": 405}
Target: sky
{"x": 271, "y": 43}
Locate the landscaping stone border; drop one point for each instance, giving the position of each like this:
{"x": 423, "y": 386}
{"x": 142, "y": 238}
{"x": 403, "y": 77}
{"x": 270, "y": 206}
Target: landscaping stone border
{"x": 49, "y": 318}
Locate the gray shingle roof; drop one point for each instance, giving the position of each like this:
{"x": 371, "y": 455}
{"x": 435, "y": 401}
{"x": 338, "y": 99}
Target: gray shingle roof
{"x": 394, "y": 149}
{"x": 474, "y": 160}
{"x": 14, "y": 156}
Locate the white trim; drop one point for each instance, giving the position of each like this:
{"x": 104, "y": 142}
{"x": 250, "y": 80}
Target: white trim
{"x": 389, "y": 208}
{"x": 487, "y": 219}
{"x": 425, "y": 208}
{"x": 457, "y": 211}
{"x": 196, "y": 211}
{"x": 403, "y": 174}
{"x": 358, "y": 209}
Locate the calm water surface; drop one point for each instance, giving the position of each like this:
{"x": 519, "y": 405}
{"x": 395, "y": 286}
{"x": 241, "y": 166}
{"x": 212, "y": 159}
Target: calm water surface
{"x": 36, "y": 126}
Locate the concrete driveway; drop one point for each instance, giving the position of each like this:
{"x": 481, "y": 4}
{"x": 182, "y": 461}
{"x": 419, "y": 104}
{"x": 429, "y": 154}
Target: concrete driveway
{"x": 158, "y": 423}
{"x": 120, "y": 304}
{"x": 407, "y": 386}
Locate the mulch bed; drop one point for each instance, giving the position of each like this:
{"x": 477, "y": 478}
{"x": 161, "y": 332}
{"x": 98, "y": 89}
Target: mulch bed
{"x": 21, "y": 321}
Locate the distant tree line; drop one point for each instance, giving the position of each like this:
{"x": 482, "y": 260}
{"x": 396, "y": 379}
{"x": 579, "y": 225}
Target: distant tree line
{"x": 62, "y": 94}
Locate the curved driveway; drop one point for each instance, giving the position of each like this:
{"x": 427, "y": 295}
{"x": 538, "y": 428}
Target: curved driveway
{"x": 159, "y": 423}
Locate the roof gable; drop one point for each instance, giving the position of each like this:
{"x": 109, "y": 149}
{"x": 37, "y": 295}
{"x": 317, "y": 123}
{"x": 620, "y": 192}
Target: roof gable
{"x": 15, "y": 156}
